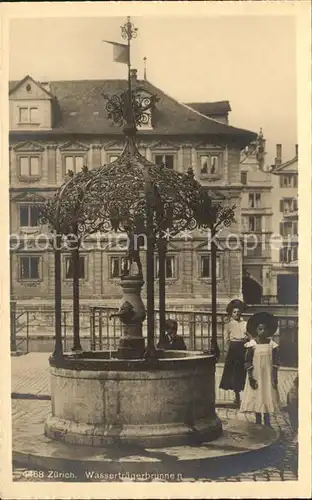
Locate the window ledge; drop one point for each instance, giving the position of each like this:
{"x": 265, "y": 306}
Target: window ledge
{"x": 30, "y": 282}
{"x": 30, "y": 229}
{"x": 210, "y": 176}
{"x": 35, "y": 124}
{"x": 208, "y": 280}
{"x": 69, "y": 281}
{"x": 29, "y": 178}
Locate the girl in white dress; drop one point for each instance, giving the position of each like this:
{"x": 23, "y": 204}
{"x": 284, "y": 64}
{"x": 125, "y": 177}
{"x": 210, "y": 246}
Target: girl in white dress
{"x": 262, "y": 360}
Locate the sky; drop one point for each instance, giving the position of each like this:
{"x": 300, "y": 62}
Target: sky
{"x": 247, "y": 60}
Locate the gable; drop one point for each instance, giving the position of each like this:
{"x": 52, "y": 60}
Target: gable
{"x": 168, "y": 145}
{"x": 74, "y": 146}
{"x": 204, "y": 145}
{"x": 28, "y": 146}
{"x": 29, "y": 197}
{"x": 113, "y": 145}
{"x": 28, "y": 89}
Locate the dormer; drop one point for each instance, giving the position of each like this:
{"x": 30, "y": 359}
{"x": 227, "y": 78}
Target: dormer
{"x": 30, "y": 105}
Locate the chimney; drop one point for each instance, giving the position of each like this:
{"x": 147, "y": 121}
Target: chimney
{"x": 46, "y": 86}
{"x": 278, "y": 159}
{"x": 133, "y": 77}
{"x": 296, "y": 150}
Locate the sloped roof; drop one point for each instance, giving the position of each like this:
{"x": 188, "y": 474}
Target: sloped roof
{"x": 78, "y": 100}
{"x": 211, "y": 108}
{"x": 16, "y": 84}
{"x": 279, "y": 168}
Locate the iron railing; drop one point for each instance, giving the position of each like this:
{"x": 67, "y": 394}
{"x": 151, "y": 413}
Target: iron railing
{"x": 33, "y": 330}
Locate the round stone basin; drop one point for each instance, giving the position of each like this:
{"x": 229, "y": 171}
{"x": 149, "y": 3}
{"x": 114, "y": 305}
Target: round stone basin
{"x": 99, "y": 400}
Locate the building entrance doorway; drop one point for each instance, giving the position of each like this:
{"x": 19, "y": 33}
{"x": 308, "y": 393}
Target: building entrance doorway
{"x": 287, "y": 289}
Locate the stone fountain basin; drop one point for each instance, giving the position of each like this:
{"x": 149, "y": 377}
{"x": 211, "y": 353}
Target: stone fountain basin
{"x": 99, "y": 400}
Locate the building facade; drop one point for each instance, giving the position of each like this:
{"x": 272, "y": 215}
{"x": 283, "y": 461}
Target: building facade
{"x": 256, "y": 210}
{"x": 60, "y": 126}
{"x": 285, "y": 223}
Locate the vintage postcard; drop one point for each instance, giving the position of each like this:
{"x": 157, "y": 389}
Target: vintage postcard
{"x": 155, "y": 293}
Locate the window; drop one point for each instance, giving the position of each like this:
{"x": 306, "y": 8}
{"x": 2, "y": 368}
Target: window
{"x": 69, "y": 267}
{"x": 170, "y": 267}
{"x": 29, "y": 166}
{"x": 29, "y": 115}
{"x": 29, "y": 268}
{"x": 254, "y": 223}
{"x": 252, "y": 250}
{"x": 29, "y": 215}
{"x": 288, "y": 254}
{"x": 295, "y": 228}
{"x": 165, "y": 160}
{"x": 209, "y": 164}
{"x": 205, "y": 266}
{"x": 74, "y": 164}
{"x": 117, "y": 266}
{"x": 287, "y": 229}
{"x": 254, "y": 200}
{"x": 244, "y": 178}
{"x": 288, "y": 180}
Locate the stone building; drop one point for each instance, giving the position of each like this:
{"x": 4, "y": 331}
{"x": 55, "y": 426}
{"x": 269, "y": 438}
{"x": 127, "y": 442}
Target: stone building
{"x": 256, "y": 211}
{"x": 63, "y": 125}
{"x": 285, "y": 223}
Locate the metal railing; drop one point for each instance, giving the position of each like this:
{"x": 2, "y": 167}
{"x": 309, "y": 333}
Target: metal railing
{"x": 33, "y": 330}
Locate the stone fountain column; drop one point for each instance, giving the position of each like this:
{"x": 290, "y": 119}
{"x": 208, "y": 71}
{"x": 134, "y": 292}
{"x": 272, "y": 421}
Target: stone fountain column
{"x": 132, "y": 314}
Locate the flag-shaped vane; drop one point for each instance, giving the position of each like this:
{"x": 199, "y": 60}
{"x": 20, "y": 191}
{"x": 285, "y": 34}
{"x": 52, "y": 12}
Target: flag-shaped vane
{"x": 121, "y": 52}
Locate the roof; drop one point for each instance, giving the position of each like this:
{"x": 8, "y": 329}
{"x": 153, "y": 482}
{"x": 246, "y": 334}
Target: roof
{"x": 279, "y": 168}
{"x": 16, "y": 84}
{"x": 79, "y": 99}
{"x": 211, "y": 108}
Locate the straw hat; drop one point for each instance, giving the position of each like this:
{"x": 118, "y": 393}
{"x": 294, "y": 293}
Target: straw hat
{"x": 236, "y": 303}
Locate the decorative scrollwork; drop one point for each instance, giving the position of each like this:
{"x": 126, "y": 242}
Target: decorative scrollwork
{"x": 128, "y": 31}
{"x": 117, "y": 107}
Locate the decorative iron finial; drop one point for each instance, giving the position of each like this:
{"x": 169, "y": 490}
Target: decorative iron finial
{"x": 128, "y": 31}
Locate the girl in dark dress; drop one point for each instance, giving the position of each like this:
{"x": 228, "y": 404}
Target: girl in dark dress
{"x": 234, "y": 373}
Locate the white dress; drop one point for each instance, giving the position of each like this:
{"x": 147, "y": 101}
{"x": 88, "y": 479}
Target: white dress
{"x": 264, "y": 399}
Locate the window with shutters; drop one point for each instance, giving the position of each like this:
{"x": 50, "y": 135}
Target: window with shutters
{"x": 29, "y": 268}
{"x": 170, "y": 267}
{"x": 69, "y": 272}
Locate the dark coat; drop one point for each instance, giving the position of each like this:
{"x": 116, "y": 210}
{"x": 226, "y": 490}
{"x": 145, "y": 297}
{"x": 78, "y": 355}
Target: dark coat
{"x": 176, "y": 344}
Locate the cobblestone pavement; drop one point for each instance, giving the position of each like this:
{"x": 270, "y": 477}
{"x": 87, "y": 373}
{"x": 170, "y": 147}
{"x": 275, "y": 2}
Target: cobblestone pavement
{"x": 30, "y": 380}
